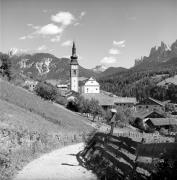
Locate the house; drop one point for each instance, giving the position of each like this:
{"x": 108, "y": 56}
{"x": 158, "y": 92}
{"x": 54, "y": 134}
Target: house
{"x": 62, "y": 87}
{"x": 109, "y": 101}
{"x": 30, "y": 84}
{"x": 57, "y": 83}
{"x": 125, "y": 102}
{"x": 148, "y": 114}
{"x": 105, "y": 101}
{"x": 158, "y": 123}
{"x": 71, "y": 95}
{"x": 89, "y": 86}
{"x": 150, "y": 104}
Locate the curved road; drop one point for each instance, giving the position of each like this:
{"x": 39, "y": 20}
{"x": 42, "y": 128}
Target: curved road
{"x": 60, "y": 164}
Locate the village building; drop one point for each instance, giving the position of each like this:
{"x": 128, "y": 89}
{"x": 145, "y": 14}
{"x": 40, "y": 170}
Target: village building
{"x": 148, "y": 114}
{"x": 158, "y": 123}
{"x": 150, "y": 104}
{"x": 30, "y": 84}
{"x": 125, "y": 102}
{"x": 89, "y": 86}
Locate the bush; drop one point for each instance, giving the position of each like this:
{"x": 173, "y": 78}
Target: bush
{"x": 46, "y": 91}
{"x": 73, "y": 106}
{"x": 163, "y": 131}
{"x": 61, "y": 100}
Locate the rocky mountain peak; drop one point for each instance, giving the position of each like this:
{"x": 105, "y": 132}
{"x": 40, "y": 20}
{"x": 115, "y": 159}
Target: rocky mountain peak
{"x": 99, "y": 68}
{"x": 161, "y": 53}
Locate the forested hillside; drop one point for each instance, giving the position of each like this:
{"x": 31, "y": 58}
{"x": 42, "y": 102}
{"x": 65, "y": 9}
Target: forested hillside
{"x": 141, "y": 80}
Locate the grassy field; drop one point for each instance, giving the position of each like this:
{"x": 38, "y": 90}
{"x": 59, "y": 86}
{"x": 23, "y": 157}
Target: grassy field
{"x": 30, "y": 127}
{"x": 59, "y": 116}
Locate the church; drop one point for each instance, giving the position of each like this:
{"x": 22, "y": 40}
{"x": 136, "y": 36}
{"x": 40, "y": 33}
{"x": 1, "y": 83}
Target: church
{"x": 78, "y": 84}
{"x": 89, "y": 88}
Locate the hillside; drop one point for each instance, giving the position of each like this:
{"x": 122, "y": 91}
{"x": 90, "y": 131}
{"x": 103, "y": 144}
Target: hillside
{"x": 45, "y": 65}
{"x": 30, "y": 127}
{"x": 112, "y": 70}
{"x": 141, "y": 80}
{"x": 56, "y": 114}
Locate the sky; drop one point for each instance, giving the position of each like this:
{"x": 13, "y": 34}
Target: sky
{"x": 109, "y": 32}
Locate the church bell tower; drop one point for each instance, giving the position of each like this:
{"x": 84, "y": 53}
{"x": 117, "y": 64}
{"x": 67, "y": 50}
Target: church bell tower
{"x": 74, "y": 70}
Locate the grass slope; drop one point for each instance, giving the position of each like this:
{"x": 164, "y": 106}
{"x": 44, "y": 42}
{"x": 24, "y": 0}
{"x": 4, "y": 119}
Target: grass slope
{"x": 59, "y": 116}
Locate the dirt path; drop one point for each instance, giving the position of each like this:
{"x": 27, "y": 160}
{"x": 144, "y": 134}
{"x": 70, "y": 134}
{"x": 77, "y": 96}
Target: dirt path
{"x": 60, "y": 164}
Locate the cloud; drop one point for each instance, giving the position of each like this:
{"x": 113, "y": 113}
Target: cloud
{"x": 26, "y": 37}
{"x": 108, "y": 60}
{"x": 49, "y": 29}
{"x": 67, "y": 43}
{"x": 44, "y": 10}
{"x": 76, "y": 24}
{"x": 65, "y": 18}
{"x": 56, "y": 38}
{"x": 52, "y": 30}
{"x": 82, "y": 14}
{"x": 119, "y": 43}
{"x": 114, "y": 51}
{"x": 42, "y": 47}
{"x": 51, "y": 50}
{"x": 29, "y": 24}
{"x": 23, "y": 38}
{"x": 34, "y": 27}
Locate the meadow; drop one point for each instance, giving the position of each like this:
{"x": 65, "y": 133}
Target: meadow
{"x": 30, "y": 126}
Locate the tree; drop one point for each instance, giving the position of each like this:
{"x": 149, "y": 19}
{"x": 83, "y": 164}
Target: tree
{"x": 83, "y": 105}
{"x": 169, "y": 107}
{"x": 46, "y": 91}
{"x": 95, "y": 108}
{"x": 6, "y": 66}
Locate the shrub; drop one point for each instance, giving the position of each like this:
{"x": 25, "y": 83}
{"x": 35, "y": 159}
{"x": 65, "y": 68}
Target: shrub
{"x": 46, "y": 91}
{"x": 72, "y": 105}
{"x": 95, "y": 108}
{"x": 163, "y": 131}
{"x": 61, "y": 100}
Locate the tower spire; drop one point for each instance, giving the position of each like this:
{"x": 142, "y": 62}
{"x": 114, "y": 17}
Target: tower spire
{"x": 74, "y": 49}
{"x": 74, "y": 56}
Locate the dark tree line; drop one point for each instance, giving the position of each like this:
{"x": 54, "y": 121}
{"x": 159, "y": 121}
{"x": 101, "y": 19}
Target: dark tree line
{"x": 140, "y": 84}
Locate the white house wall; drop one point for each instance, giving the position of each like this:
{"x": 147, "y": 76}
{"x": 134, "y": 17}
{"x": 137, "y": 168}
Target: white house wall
{"x": 91, "y": 89}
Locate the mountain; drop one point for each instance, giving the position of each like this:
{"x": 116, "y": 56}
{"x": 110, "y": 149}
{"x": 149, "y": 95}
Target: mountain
{"x": 112, "y": 70}
{"x": 163, "y": 53}
{"x": 141, "y": 80}
{"x": 47, "y": 66}
{"x": 99, "y": 69}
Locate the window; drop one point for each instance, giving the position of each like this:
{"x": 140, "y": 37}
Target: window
{"x": 74, "y": 72}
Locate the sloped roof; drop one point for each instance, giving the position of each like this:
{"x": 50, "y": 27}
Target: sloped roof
{"x": 171, "y": 80}
{"x": 163, "y": 121}
{"x": 125, "y": 100}
{"x": 53, "y": 82}
{"x": 143, "y": 114}
{"x": 71, "y": 93}
{"x": 104, "y": 100}
{"x": 154, "y": 100}
{"x": 157, "y": 101}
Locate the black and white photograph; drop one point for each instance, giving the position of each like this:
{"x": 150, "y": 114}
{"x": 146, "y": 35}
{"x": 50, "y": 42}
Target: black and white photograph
{"x": 88, "y": 89}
